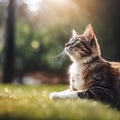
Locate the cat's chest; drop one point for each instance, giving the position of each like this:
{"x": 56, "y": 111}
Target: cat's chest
{"x": 76, "y": 80}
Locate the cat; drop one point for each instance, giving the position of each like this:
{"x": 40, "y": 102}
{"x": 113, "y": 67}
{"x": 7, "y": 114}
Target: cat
{"x": 90, "y": 76}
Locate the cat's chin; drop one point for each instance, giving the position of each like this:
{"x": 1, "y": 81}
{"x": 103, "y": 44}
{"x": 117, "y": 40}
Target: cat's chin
{"x": 67, "y": 50}
{"x": 72, "y": 56}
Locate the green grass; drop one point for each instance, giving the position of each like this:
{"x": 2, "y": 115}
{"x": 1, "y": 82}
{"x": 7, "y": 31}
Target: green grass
{"x": 31, "y": 102}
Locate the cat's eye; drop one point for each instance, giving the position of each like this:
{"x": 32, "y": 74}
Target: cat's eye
{"x": 77, "y": 44}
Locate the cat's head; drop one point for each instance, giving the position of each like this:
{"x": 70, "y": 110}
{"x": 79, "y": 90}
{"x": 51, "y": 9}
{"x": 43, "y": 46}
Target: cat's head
{"x": 82, "y": 46}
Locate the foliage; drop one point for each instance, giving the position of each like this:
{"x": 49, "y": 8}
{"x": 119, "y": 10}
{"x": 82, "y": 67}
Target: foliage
{"x": 31, "y": 102}
{"x": 37, "y": 48}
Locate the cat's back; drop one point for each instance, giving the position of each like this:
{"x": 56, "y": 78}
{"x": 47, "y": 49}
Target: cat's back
{"x": 116, "y": 65}
{"x": 115, "y": 69}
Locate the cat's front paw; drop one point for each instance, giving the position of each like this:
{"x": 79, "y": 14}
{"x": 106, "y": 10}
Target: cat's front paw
{"x": 54, "y": 95}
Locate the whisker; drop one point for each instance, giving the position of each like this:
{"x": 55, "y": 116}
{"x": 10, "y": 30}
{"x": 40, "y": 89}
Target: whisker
{"x": 60, "y": 57}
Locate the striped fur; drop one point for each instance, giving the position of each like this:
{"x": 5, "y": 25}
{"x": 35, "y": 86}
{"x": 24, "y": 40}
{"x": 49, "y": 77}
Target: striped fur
{"x": 91, "y": 77}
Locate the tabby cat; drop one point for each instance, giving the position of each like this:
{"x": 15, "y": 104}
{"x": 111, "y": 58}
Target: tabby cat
{"x": 91, "y": 77}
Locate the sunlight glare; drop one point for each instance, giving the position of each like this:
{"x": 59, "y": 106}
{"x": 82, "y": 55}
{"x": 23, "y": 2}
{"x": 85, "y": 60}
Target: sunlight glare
{"x": 61, "y": 2}
{"x": 33, "y": 5}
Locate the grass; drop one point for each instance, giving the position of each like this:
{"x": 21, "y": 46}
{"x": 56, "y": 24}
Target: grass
{"x": 32, "y": 102}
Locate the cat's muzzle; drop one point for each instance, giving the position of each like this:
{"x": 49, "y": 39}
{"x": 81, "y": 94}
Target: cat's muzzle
{"x": 68, "y": 49}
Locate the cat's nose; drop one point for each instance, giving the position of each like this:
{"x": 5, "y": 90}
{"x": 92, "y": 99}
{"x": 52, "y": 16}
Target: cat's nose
{"x": 67, "y": 44}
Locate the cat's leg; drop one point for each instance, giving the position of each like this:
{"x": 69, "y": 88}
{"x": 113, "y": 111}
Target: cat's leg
{"x": 96, "y": 94}
{"x": 102, "y": 94}
{"x": 64, "y": 95}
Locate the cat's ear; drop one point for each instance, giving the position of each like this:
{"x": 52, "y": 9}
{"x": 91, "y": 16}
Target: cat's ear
{"x": 74, "y": 33}
{"x": 89, "y": 32}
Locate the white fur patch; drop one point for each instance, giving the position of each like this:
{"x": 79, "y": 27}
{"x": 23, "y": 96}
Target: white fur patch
{"x": 76, "y": 80}
{"x": 64, "y": 95}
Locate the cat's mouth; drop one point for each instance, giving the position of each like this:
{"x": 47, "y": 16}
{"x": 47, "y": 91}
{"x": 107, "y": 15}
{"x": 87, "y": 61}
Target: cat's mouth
{"x": 68, "y": 49}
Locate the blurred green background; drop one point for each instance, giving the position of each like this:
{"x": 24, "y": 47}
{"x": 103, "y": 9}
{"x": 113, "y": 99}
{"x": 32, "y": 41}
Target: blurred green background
{"x": 44, "y": 26}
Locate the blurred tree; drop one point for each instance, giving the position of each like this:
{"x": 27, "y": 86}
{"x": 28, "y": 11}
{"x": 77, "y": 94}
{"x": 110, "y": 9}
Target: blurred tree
{"x": 9, "y": 52}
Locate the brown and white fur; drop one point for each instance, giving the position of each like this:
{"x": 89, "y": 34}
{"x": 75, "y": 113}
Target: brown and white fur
{"x": 91, "y": 77}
